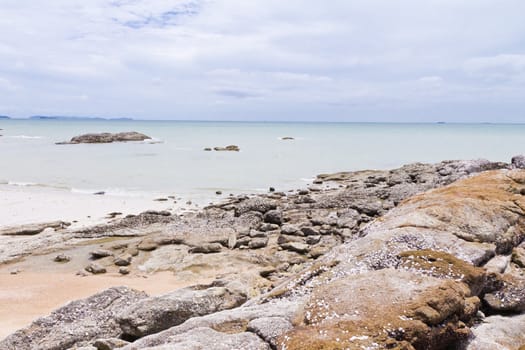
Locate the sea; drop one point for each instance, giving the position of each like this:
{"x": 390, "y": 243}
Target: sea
{"x": 174, "y": 161}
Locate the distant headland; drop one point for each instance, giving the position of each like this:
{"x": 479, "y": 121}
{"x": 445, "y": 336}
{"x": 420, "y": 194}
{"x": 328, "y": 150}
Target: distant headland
{"x": 47, "y": 117}
{"x": 4, "y": 117}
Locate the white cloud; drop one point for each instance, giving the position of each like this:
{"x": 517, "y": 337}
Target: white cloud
{"x": 289, "y": 59}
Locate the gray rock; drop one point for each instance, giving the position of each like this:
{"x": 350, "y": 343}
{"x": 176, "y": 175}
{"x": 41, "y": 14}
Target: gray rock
{"x": 78, "y": 323}
{"x": 310, "y": 231}
{"x": 101, "y": 253}
{"x": 207, "y": 338}
{"x": 123, "y": 260}
{"x": 230, "y": 148}
{"x": 518, "y": 161}
{"x": 257, "y": 243}
{"x": 498, "y": 333}
{"x": 289, "y": 229}
{"x": 62, "y": 258}
{"x": 109, "y": 344}
{"x": 95, "y": 268}
{"x": 268, "y": 227}
{"x": 257, "y": 204}
{"x": 155, "y": 314}
{"x": 274, "y": 217}
{"x": 300, "y": 248}
{"x": 207, "y": 248}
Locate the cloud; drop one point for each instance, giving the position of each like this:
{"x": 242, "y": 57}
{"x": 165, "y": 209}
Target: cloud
{"x": 297, "y": 59}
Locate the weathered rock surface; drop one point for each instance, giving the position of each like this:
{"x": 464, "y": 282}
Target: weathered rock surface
{"x": 106, "y": 137}
{"x": 498, "y": 333}
{"x": 76, "y": 324}
{"x": 155, "y": 314}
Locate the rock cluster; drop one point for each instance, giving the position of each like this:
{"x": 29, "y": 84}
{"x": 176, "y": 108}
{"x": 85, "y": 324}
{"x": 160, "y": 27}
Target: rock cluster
{"x": 106, "y": 137}
{"x": 412, "y": 258}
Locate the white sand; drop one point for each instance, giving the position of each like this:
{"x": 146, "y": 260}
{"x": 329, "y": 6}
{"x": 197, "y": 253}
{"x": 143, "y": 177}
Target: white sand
{"x": 28, "y": 204}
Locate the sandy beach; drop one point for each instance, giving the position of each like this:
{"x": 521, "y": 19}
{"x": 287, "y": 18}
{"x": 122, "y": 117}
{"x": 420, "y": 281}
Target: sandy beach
{"x": 26, "y": 296}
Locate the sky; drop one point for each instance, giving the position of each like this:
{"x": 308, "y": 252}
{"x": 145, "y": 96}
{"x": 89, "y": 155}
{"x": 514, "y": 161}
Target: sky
{"x": 336, "y": 60}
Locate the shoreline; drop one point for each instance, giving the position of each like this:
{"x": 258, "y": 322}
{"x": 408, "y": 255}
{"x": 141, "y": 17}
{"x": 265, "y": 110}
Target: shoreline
{"x": 256, "y": 246}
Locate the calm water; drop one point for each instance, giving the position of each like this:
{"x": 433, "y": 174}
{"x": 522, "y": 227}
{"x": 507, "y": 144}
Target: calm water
{"x": 179, "y": 164}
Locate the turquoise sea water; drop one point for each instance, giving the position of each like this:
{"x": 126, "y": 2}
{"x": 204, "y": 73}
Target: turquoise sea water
{"x": 28, "y": 154}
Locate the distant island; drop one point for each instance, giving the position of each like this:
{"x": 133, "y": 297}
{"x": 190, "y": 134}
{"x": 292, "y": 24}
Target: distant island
{"x": 4, "y": 117}
{"x": 45, "y": 117}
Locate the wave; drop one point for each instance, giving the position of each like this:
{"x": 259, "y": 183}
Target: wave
{"x": 35, "y": 184}
{"x": 152, "y": 141}
{"x": 25, "y": 137}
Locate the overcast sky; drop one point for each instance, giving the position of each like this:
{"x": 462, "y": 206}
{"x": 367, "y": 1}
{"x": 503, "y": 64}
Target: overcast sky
{"x": 347, "y": 60}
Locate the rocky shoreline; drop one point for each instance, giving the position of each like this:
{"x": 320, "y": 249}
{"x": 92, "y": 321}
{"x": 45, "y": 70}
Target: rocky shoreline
{"x": 427, "y": 256}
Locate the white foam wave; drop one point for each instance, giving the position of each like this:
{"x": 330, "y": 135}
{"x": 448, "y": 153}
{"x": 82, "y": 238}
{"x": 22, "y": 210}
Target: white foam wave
{"x": 25, "y": 137}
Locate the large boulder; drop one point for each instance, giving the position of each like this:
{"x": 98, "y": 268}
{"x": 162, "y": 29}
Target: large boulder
{"x": 155, "y": 314}
{"x": 76, "y": 324}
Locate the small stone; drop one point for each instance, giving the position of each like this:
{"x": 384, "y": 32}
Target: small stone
{"x": 207, "y": 248}
{"x": 257, "y": 243}
{"x": 109, "y": 344}
{"x": 15, "y": 271}
{"x": 62, "y": 258}
{"x": 95, "y": 268}
{"x": 273, "y": 217}
{"x": 271, "y": 189}
{"x": 99, "y": 193}
{"x": 100, "y": 253}
{"x": 207, "y": 149}
{"x": 122, "y": 260}
{"x": 298, "y": 247}
{"x": 218, "y": 193}
{"x": 161, "y": 199}
{"x": 123, "y": 271}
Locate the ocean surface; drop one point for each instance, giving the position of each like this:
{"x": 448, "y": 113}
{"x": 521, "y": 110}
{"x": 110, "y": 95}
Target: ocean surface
{"x": 176, "y": 164}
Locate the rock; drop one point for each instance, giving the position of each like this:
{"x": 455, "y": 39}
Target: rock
{"x": 123, "y": 271}
{"x": 218, "y": 193}
{"x": 287, "y": 138}
{"x": 300, "y": 248}
{"x": 269, "y": 328}
{"x": 95, "y": 268}
{"x": 291, "y": 230}
{"x": 155, "y": 314}
{"x": 109, "y": 344}
{"x": 106, "y": 138}
{"x": 498, "y": 333}
{"x": 518, "y": 256}
{"x": 62, "y": 258}
{"x": 518, "y": 161}
{"x": 257, "y": 204}
{"x": 78, "y": 323}
{"x": 161, "y": 199}
{"x": 273, "y": 217}
{"x": 207, "y": 149}
{"x": 100, "y": 253}
{"x": 32, "y": 229}
{"x": 257, "y": 243}
{"x": 99, "y": 193}
{"x": 271, "y": 189}
{"x": 230, "y": 148}
{"x": 268, "y": 227}
{"x": 310, "y": 231}
{"x": 207, "y": 248}
{"x": 123, "y": 260}
{"x": 498, "y": 264}
{"x": 207, "y": 338}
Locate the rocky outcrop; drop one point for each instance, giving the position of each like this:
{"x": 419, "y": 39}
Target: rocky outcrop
{"x": 76, "y": 324}
{"x": 411, "y": 258}
{"x": 106, "y": 137}
{"x": 230, "y": 148}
